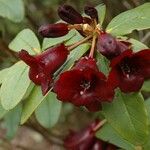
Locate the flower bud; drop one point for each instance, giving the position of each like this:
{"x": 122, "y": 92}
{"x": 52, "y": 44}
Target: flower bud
{"x": 69, "y": 14}
{"x": 107, "y": 45}
{"x": 110, "y": 47}
{"x": 91, "y": 11}
{"x": 53, "y": 30}
{"x": 87, "y": 20}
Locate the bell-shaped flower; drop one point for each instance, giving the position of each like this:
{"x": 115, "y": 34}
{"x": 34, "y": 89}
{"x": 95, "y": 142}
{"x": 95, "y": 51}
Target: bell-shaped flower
{"x": 42, "y": 66}
{"x": 84, "y": 85}
{"x": 129, "y": 70}
{"x": 86, "y": 139}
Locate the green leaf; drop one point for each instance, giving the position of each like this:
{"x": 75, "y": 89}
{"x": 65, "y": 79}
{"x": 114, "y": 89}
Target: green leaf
{"x": 3, "y": 74}
{"x": 14, "y": 85}
{"x": 136, "y": 45}
{"x": 146, "y": 86}
{"x": 147, "y": 105}
{"x": 27, "y": 40}
{"x": 126, "y": 22}
{"x": 103, "y": 63}
{"x": 48, "y": 111}
{"x": 12, "y": 9}
{"x": 147, "y": 144}
{"x": 12, "y": 120}
{"x": 108, "y": 134}
{"x": 101, "y": 9}
{"x": 31, "y": 103}
{"x": 48, "y": 42}
{"x": 2, "y": 112}
{"x": 128, "y": 116}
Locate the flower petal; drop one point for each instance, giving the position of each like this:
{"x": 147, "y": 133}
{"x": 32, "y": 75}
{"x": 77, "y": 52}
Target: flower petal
{"x": 82, "y": 140}
{"x": 45, "y": 83}
{"x": 142, "y": 60}
{"x": 86, "y": 62}
{"x": 104, "y": 90}
{"x": 53, "y": 58}
{"x": 127, "y": 83}
{"x": 118, "y": 59}
{"x": 27, "y": 58}
{"x": 67, "y": 86}
{"x": 94, "y": 106}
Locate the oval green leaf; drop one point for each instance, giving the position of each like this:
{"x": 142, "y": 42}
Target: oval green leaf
{"x": 128, "y": 116}
{"x": 3, "y": 74}
{"x": 12, "y": 9}
{"x": 14, "y": 86}
{"x": 134, "y": 19}
{"x": 27, "y": 40}
{"x": 108, "y": 134}
{"x": 48, "y": 111}
{"x": 31, "y": 103}
{"x": 12, "y": 121}
{"x": 101, "y": 9}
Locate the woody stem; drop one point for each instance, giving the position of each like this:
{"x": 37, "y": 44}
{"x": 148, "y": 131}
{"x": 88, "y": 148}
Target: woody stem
{"x": 79, "y": 43}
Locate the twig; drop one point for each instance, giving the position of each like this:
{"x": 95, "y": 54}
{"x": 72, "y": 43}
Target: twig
{"x": 4, "y": 47}
{"x": 146, "y": 37}
{"x": 51, "y": 138}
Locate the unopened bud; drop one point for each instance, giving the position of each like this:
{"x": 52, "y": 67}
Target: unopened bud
{"x": 69, "y": 14}
{"x": 53, "y": 30}
{"x": 91, "y": 11}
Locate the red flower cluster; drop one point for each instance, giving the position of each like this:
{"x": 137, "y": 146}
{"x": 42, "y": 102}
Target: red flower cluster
{"x": 86, "y": 139}
{"x": 84, "y": 84}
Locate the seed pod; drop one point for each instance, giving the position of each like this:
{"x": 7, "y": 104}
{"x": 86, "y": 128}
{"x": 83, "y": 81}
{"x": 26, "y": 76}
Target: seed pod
{"x": 53, "y": 30}
{"x": 69, "y": 14}
{"x": 91, "y": 11}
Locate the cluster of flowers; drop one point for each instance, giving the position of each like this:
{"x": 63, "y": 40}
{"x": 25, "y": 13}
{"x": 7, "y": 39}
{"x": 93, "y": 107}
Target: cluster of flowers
{"x": 86, "y": 139}
{"x": 84, "y": 84}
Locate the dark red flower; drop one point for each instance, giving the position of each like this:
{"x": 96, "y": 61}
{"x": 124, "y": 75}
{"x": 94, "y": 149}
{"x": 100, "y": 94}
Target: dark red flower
{"x": 110, "y": 47}
{"x": 84, "y": 85}
{"x": 69, "y": 14}
{"x": 91, "y": 11}
{"x": 86, "y": 139}
{"x": 43, "y": 66}
{"x": 129, "y": 70}
{"x": 53, "y": 30}
{"x": 82, "y": 140}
